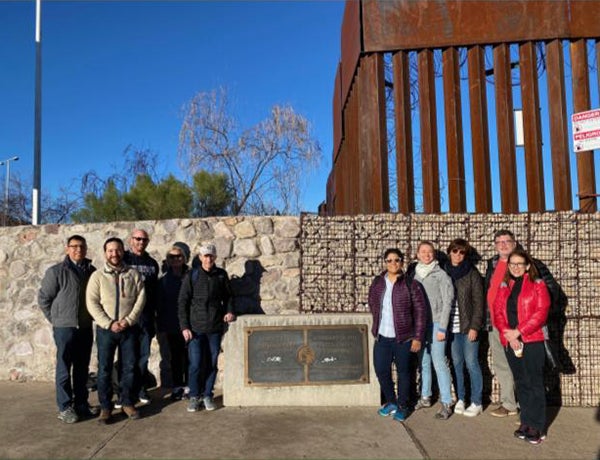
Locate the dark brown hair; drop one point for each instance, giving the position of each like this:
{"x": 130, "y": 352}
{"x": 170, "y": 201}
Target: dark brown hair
{"x": 532, "y": 272}
{"x": 461, "y": 244}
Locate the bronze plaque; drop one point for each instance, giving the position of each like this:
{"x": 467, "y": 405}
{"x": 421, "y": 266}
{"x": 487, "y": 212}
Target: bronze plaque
{"x": 306, "y": 355}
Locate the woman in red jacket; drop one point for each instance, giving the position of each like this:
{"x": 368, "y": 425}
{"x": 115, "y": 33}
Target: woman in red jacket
{"x": 520, "y": 312}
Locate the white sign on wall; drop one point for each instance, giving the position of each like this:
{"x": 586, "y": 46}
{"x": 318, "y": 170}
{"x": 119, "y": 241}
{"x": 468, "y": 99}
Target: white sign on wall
{"x": 586, "y": 130}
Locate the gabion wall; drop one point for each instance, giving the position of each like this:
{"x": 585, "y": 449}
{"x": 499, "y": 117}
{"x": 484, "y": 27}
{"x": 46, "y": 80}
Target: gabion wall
{"x": 341, "y": 255}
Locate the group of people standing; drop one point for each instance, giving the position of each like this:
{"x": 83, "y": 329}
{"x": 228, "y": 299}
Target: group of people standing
{"x": 442, "y": 306}
{"x": 434, "y": 307}
{"x": 130, "y": 302}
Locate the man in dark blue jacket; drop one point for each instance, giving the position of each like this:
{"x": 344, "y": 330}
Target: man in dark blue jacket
{"x": 62, "y": 300}
{"x": 138, "y": 258}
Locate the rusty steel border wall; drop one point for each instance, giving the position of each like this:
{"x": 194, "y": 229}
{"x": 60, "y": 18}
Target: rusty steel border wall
{"x": 359, "y": 179}
{"x": 340, "y": 255}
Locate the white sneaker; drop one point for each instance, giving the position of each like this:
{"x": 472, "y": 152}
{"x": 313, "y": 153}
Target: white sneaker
{"x": 459, "y": 408}
{"x": 473, "y": 410}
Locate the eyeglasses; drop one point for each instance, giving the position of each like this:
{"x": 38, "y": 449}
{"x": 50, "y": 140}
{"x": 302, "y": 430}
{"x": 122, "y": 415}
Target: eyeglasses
{"x": 392, "y": 261}
{"x": 501, "y": 242}
{"x": 140, "y": 238}
{"x": 458, "y": 251}
{"x": 517, "y": 264}
{"x": 174, "y": 256}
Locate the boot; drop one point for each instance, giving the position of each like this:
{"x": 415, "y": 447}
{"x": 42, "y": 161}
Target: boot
{"x": 131, "y": 412}
{"x": 104, "y": 417}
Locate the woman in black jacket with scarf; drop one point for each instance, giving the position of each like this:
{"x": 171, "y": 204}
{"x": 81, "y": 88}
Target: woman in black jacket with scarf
{"x": 466, "y": 319}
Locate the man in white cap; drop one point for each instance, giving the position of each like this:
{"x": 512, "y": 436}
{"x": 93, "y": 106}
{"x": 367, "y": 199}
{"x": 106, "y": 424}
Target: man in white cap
{"x": 205, "y": 305}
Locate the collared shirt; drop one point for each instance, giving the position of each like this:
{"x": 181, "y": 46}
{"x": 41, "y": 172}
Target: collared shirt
{"x": 386, "y": 325}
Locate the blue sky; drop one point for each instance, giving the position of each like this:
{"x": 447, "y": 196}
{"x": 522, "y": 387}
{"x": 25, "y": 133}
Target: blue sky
{"x": 117, "y": 73}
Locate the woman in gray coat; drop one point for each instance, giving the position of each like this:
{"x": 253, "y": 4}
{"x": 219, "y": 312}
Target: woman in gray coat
{"x": 440, "y": 294}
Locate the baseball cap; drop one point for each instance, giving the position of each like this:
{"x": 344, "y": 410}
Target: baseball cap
{"x": 208, "y": 249}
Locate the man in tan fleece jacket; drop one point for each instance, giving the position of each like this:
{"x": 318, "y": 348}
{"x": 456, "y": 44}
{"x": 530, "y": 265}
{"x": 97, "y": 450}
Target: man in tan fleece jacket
{"x": 115, "y": 298}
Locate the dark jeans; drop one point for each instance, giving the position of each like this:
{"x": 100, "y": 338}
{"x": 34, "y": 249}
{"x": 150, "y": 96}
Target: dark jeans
{"x": 107, "y": 343}
{"x": 178, "y": 358}
{"x": 528, "y": 373}
{"x": 73, "y": 352}
{"x": 385, "y": 352}
{"x": 196, "y": 346}
{"x": 145, "y": 342}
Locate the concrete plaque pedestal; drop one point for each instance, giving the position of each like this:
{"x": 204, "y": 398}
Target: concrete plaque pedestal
{"x": 239, "y": 391}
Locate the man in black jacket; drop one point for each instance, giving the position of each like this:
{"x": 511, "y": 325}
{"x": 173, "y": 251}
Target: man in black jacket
{"x": 205, "y": 305}
{"x": 62, "y": 300}
{"x": 505, "y": 242}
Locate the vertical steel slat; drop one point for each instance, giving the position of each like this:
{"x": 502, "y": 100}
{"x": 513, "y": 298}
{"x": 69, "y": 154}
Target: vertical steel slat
{"x": 505, "y": 129}
{"x": 373, "y": 135}
{"x": 561, "y": 168}
{"x": 581, "y": 101}
{"x": 536, "y": 201}
{"x": 354, "y": 179}
{"x": 429, "y": 141}
{"x": 454, "y": 140}
{"x": 404, "y": 160}
{"x": 479, "y": 129}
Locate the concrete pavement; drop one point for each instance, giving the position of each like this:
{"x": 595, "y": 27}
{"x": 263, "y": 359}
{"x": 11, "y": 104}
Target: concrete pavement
{"x": 29, "y": 429}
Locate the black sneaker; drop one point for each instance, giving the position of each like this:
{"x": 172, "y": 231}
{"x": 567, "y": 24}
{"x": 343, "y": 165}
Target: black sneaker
{"x": 521, "y": 433}
{"x": 144, "y": 397}
{"x": 177, "y": 394}
{"x": 534, "y": 436}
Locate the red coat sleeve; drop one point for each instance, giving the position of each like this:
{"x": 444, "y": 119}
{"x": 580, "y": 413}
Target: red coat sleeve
{"x": 537, "y": 311}
{"x": 500, "y": 319}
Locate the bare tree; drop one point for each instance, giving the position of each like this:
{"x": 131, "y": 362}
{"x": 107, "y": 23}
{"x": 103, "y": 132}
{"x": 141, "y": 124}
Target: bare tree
{"x": 265, "y": 163}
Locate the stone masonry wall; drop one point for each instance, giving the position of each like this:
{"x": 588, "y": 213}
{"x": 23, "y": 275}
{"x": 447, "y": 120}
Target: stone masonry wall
{"x": 315, "y": 264}
{"x": 264, "y": 250}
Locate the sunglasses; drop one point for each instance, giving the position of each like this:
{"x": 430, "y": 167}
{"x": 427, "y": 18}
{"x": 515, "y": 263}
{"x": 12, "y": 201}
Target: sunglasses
{"x": 458, "y": 251}
{"x": 140, "y": 238}
{"x": 392, "y": 261}
{"x": 174, "y": 256}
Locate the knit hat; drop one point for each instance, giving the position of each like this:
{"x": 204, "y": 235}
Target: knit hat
{"x": 184, "y": 248}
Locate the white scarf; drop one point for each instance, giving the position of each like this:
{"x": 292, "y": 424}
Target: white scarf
{"x": 422, "y": 270}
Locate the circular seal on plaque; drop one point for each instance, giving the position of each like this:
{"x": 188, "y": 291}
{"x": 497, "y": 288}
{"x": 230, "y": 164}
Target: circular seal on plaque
{"x": 305, "y": 355}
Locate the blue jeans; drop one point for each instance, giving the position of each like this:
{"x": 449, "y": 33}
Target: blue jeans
{"x": 195, "y": 350}
{"x": 73, "y": 352}
{"x": 107, "y": 343}
{"x": 386, "y": 351}
{"x": 434, "y": 350}
{"x": 463, "y": 350}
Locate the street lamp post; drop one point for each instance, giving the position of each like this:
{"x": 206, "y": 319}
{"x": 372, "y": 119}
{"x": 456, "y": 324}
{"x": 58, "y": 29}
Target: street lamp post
{"x": 7, "y": 163}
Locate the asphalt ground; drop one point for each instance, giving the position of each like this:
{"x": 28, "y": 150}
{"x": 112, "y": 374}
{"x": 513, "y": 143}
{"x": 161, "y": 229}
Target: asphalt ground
{"x": 29, "y": 428}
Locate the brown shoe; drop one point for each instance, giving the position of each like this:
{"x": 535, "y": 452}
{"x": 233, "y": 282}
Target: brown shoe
{"x": 503, "y": 412}
{"x": 104, "y": 417}
{"x": 131, "y": 412}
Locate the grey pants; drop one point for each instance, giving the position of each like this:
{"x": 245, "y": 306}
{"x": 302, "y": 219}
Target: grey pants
{"x": 502, "y": 372}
